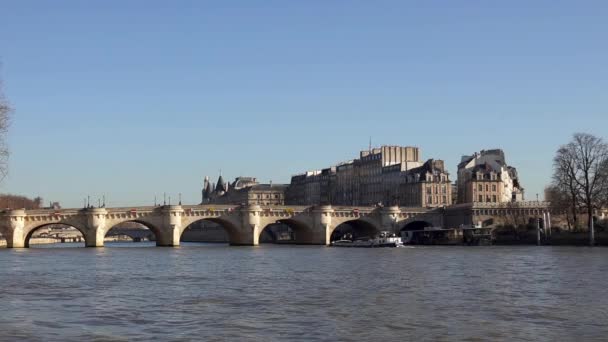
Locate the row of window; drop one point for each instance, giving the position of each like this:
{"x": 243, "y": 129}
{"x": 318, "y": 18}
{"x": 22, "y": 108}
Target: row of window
{"x": 493, "y": 199}
{"x": 260, "y": 196}
{"x": 480, "y": 187}
{"x": 435, "y": 200}
{"x": 490, "y": 176}
{"x": 430, "y": 188}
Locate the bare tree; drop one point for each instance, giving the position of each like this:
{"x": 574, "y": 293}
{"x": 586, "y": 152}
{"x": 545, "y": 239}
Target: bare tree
{"x": 561, "y": 202}
{"x": 5, "y": 111}
{"x": 565, "y": 187}
{"x": 585, "y": 161}
{"x": 515, "y": 215}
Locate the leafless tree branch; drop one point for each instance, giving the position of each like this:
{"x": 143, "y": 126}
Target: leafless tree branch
{"x": 5, "y": 111}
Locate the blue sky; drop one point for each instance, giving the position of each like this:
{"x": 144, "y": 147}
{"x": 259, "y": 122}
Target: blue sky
{"x": 135, "y": 98}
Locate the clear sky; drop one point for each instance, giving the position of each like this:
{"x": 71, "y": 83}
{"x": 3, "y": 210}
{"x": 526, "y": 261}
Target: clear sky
{"x": 135, "y": 98}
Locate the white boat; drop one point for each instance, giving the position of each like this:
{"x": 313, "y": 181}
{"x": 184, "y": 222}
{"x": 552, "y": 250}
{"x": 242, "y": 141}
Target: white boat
{"x": 384, "y": 239}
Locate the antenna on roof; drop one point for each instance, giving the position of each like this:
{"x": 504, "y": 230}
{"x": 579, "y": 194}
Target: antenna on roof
{"x": 370, "y": 143}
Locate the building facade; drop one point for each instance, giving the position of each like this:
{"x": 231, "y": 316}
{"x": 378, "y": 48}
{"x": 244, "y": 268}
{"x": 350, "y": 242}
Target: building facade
{"x": 427, "y": 186}
{"x": 244, "y": 190}
{"x": 485, "y": 177}
{"x": 389, "y": 175}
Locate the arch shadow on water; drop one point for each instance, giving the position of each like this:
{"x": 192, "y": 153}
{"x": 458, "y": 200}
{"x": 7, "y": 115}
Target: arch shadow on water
{"x": 416, "y": 225}
{"x": 131, "y": 233}
{"x": 354, "y": 229}
{"x": 287, "y": 232}
{"x": 55, "y": 235}
{"x": 209, "y": 230}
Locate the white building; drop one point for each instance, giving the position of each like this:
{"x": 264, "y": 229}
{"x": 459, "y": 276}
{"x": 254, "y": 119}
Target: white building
{"x": 486, "y": 177}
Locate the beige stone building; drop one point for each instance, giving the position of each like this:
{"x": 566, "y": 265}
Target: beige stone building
{"x": 426, "y": 186}
{"x": 244, "y": 190}
{"x": 485, "y": 177}
{"x": 387, "y": 175}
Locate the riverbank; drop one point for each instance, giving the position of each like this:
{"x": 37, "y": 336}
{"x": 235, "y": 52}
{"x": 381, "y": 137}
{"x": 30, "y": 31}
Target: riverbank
{"x": 35, "y": 241}
{"x": 555, "y": 239}
{"x": 500, "y": 239}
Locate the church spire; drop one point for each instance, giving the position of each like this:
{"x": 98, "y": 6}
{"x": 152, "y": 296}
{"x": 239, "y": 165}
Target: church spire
{"x": 221, "y": 185}
{"x": 206, "y": 190}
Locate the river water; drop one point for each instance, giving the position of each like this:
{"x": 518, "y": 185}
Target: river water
{"x": 276, "y": 293}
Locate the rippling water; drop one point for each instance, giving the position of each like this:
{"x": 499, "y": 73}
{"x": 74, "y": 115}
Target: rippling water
{"x": 273, "y": 293}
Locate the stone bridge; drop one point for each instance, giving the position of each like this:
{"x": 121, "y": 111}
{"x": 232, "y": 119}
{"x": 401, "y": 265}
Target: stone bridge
{"x": 244, "y": 224}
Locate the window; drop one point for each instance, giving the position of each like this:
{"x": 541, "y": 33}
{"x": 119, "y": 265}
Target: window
{"x": 488, "y": 198}
{"x": 480, "y": 188}
{"x": 493, "y": 187}
{"x": 443, "y": 189}
{"x": 429, "y": 200}
{"x": 445, "y": 199}
{"x": 494, "y": 198}
{"x": 487, "y": 187}
{"x": 480, "y": 198}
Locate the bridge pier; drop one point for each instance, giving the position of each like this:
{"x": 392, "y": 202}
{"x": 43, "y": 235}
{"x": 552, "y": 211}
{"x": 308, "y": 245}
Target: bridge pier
{"x": 95, "y": 231}
{"x": 322, "y": 227}
{"x": 248, "y": 234}
{"x": 171, "y": 230}
{"x": 12, "y": 227}
{"x": 388, "y": 219}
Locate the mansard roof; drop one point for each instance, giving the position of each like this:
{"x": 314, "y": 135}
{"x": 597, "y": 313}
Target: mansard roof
{"x": 431, "y": 165}
{"x": 243, "y": 182}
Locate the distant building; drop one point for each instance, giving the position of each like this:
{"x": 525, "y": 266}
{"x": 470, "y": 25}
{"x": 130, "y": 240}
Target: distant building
{"x": 425, "y": 186}
{"x": 244, "y": 190}
{"x": 486, "y": 177}
{"x": 387, "y": 175}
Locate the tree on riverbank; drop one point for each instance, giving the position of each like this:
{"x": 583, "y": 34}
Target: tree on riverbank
{"x": 580, "y": 176}
{"x": 17, "y": 201}
{"x": 5, "y": 111}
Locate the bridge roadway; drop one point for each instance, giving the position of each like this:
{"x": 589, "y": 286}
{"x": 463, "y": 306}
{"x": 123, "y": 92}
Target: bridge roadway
{"x": 244, "y": 224}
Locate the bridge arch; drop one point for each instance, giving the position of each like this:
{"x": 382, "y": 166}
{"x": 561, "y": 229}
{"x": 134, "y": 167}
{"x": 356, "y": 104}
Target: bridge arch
{"x": 416, "y": 225}
{"x": 29, "y": 232}
{"x": 149, "y": 230}
{"x": 295, "y": 232}
{"x": 354, "y": 229}
{"x": 229, "y": 227}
